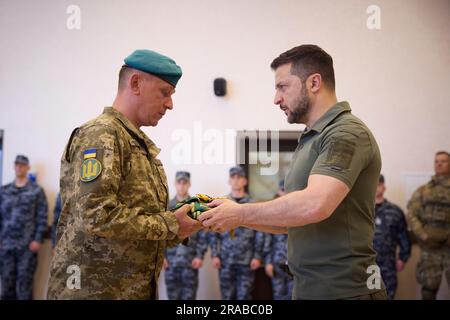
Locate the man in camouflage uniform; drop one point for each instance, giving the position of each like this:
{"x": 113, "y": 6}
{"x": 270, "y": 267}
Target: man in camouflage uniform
{"x": 23, "y": 223}
{"x": 429, "y": 219}
{"x": 275, "y": 259}
{"x": 182, "y": 262}
{"x": 115, "y": 224}
{"x": 390, "y": 231}
{"x": 237, "y": 257}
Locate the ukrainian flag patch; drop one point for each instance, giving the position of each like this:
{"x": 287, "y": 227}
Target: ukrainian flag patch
{"x": 90, "y": 153}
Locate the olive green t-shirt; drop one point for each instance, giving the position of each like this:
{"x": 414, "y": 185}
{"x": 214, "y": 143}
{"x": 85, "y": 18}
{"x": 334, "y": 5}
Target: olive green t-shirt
{"x": 330, "y": 259}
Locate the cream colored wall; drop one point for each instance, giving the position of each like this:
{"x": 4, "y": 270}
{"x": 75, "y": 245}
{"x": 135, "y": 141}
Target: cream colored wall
{"x": 53, "y": 79}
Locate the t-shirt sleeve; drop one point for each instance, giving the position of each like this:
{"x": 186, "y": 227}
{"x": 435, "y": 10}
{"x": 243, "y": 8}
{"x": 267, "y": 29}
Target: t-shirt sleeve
{"x": 344, "y": 154}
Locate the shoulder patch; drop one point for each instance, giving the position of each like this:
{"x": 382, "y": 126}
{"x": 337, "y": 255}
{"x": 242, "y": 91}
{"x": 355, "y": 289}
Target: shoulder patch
{"x": 340, "y": 154}
{"x": 90, "y": 169}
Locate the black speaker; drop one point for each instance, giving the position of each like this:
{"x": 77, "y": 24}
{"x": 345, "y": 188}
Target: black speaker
{"x": 220, "y": 87}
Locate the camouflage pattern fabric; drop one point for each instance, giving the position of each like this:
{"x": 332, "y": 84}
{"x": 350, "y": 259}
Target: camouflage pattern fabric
{"x": 114, "y": 224}
{"x": 429, "y": 213}
{"x": 390, "y": 232}
{"x": 275, "y": 253}
{"x": 23, "y": 219}
{"x": 236, "y": 253}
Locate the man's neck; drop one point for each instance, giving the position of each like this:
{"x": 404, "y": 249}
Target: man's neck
{"x": 20, "y": 182}
{"x": 119, "y": 104}
{"x": 321, "y": 106}
{"x": 238, "y": 193}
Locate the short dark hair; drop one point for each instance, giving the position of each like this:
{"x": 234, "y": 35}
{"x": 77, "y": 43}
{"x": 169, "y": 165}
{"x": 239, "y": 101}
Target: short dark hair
{"x": 442, "y": 152}
{"x": 123, "y": 76}
{"x": 381, "y": 179}
{"x": 306, "y": 60}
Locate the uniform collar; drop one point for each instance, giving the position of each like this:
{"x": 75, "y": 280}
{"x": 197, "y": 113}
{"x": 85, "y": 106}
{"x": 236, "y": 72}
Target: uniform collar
{"x": 444, "y": 180}
{"x": 21, "y": 188}
{"x": 136, "y": 132}
{"x": 330, "y": 115}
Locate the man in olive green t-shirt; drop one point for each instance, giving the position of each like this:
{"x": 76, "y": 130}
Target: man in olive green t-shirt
{"x": 328, "y": 211}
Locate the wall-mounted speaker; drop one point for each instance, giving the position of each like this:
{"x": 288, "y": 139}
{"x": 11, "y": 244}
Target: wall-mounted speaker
{"x": 220, "y": 87}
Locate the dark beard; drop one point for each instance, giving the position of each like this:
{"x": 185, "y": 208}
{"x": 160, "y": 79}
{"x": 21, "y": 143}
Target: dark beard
{"x": 302, "y": 108}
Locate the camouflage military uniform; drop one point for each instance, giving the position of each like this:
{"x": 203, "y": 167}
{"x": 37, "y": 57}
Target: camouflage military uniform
{"x": 429, "y": 212}
{"x": 114, "y": 224}
{"x": 56, "y": 214}
{"x": 390, "y": 231}
{"x": 275, "y": 253}
{"x": 23, "y": 219}
{"x": 236, "y": 277}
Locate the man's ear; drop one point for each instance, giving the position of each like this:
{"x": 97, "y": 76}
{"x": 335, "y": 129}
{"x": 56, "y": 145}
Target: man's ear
{"x": 315, "y": 82}
{"x": 135, "y": 84}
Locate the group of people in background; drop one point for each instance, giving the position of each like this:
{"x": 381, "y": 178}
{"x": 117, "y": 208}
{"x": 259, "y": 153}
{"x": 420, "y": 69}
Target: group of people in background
{"x": 23, "y": 227}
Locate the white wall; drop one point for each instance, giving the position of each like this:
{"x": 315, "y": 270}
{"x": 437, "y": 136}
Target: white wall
{"x": 53, "y": 79}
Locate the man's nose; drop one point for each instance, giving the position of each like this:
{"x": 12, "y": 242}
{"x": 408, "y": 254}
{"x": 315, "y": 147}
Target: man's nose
{"x": 169, "y": 104}
{"x": 277, "y": 99}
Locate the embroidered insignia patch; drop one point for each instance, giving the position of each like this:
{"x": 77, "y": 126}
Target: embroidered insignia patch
{"x": 90, "y": 169}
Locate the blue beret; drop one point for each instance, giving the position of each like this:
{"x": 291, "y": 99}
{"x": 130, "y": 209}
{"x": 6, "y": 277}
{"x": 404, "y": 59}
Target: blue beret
{"x": 157, "y": 64}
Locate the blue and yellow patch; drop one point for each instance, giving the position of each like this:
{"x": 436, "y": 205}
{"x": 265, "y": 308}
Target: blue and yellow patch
{"x": 90, "y": 153}
{"x": 91, "y": 167}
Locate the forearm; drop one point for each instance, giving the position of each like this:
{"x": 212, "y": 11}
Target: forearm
{"x": 268, "y": 229}
{"x": 294, "y": 209}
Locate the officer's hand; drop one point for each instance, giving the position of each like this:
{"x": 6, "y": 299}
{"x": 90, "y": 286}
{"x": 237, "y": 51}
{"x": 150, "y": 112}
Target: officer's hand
{"x": 34, "y": 246}
{"x": 269, "y": 270}
{"x": 165, "y": 264}
{"x": 400, "y": 265}
{"x": 255, "y": 264}
{"x": 225, "y": 215}
{"x": 216, "y": 262}
{"x": 188, "y": 226}
{"x": 197, "y": 263}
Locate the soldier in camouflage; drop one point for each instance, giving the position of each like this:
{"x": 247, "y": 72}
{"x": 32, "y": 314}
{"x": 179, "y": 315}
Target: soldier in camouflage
{"x": 390, "y": 232}
{"x": 181, "y": 263}
{"x": 238, "y": 256}
{"x": 275, "y": 259}
{"x": 429, "y": 219}
{"x": 115, "y": 224}
{"x": 23, "y": 223}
